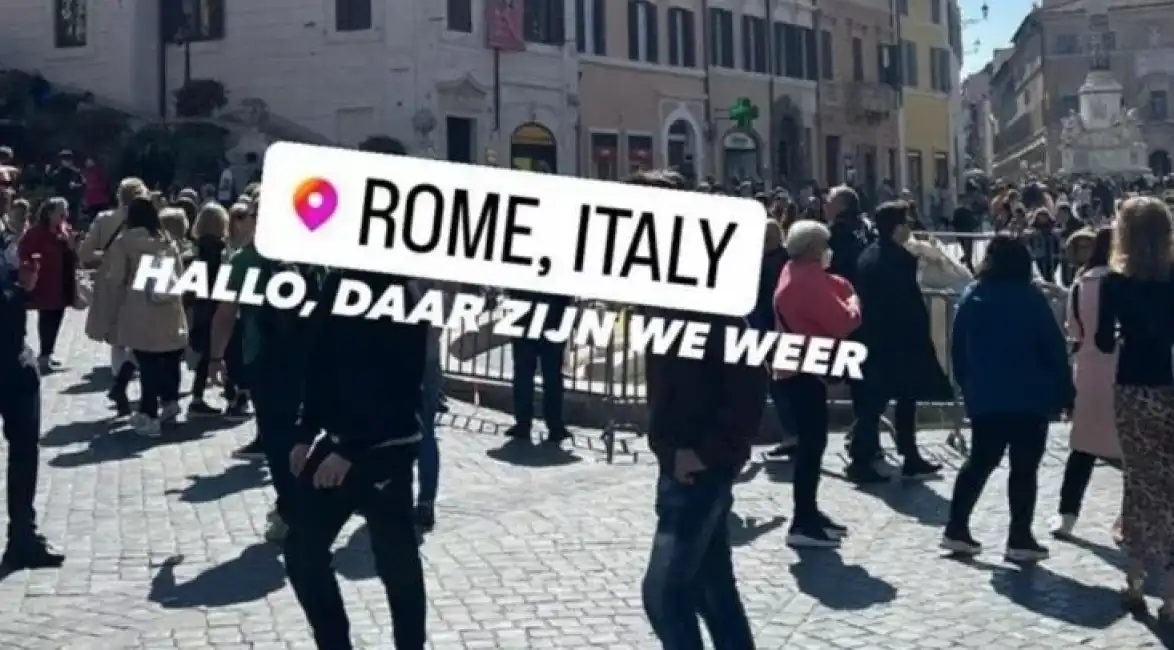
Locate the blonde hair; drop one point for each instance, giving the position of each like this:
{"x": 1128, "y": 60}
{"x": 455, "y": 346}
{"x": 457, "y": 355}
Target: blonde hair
{"x": 174, "y": 222}
{"x": 130, "y": 189}
{"x": 1143, "y": 239}
{"x": 238, "y": 211}
{"x": 806, "y": 239}
{"x": 212, "y": 221}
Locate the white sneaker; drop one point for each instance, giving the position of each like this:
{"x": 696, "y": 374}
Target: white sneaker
{"x": 276, "y": 530}
{"x": 149, "y": 427}
{"x": 137, "y": 420}
{"x": 169, "y": 412}
{"x": 1064, "y": 527}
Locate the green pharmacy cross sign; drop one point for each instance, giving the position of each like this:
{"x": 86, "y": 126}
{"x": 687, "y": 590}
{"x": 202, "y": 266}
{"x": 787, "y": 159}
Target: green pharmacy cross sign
{"x": 743, "y": 113}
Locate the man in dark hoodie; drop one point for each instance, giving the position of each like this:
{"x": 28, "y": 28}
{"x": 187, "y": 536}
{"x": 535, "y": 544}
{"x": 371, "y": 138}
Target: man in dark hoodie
{"x": 703, "y": 416}
{"x": 360, "y": 437}
{"x": 851, "y": 233}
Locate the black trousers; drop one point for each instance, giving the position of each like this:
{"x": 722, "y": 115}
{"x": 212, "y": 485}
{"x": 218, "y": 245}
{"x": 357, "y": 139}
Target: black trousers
{"x": 159, "y": 375}
{"x": 870, "y": 399}
{"x": 1077, "y": 475}
{"x": 379, "y": 486}
{"x": 20, "y": 409}
{"x": 48, "y": 327}
{"x": 547, "y": 357}
{"x": 277, "y": 402}
{"x": 807, "y": 395}
{"x": 1022, "y": 437}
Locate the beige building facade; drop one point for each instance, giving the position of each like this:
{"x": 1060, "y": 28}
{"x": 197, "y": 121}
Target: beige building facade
{"x": 653, "y": 93}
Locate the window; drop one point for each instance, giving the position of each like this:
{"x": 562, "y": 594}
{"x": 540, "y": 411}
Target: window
{"x": 682, "y": 38}
{"x": 460, "y": 16}
{"x": 1068, "y": 104}
{"x": 590, "y": 27}
{"x": 753, "y": 44}
{"x": 1110, "y": 39}
{"x": 639, "y": 153}
{"x": 913, "y": 173}
{"x": 1158, "y": 108}
{"x": 69, "y": 23}
{"x": 888, "y": 64}
{"x": 903, "y": 7}
{"x": 909, "y": 63}
{"x": 935, "y": 11}
{"x": 857, "y": 59}
{"x": 939, "y": 70}
{"x": 941, "y": 169}
{"x": 543, "y": 21}
{"x": 643, "y": 44}
{"x": 811, "y": 69}
{"x": 827, "y": 64}
{"x": 352, "y": 15}
{"x": 208, "y": 22}
{"x": 721, "y": 38}
{"x": 605, "y": 152}
{"x": 831, "y": 160}
{"x": 789, "y": 50}
{"x": 1066, "y": 44}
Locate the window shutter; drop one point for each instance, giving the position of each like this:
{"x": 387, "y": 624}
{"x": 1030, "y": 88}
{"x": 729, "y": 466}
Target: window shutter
{"x": 688, "y": 40}
{"x": 653, "y": 32}
{"x": 634, "y": 30}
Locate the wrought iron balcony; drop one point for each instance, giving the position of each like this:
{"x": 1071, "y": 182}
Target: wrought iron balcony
{"x": 872, "y": 102}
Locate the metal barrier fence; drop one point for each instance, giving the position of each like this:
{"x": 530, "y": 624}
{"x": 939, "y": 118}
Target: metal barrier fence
{"x": 614, "y": 374}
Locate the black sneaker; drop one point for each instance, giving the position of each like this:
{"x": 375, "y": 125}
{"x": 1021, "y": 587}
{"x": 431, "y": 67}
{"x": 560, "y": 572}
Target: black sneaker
{"x": 425, "y": 517}
{"x": 557, "y": 435}
{"x": 518, "y": 432}
{"x": 960, "y": 543}
{"x": 1026, "y": 550}
{"x": 251, "y": 451}
{"x": 782, "y": 452}
{"x": 811, "y": 536}
{"x": 865, "y": 475}
{"x": 238, "y": 410}
{"x": 919, "y": 469}
{"x": 36, "y": 553}
{"x": 830, "y": 526}
{"x": 200, "y": 409}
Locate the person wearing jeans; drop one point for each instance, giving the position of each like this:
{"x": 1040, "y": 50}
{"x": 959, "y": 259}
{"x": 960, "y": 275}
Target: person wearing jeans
{"x": 159, "y": 376}
{"x": 428, "y": 465}
{"x": 1011, "y": 361}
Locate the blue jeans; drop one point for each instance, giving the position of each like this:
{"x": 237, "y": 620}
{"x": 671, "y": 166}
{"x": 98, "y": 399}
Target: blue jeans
{"x": 429, "y": 462}
{"x": 691, "y": 570}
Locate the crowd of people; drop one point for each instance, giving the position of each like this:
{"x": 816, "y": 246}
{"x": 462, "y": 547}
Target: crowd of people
{"x": 345, "y": 408}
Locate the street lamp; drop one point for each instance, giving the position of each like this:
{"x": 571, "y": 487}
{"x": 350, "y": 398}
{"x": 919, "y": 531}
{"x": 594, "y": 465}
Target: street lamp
{"x": 183, "y": 38}
{"x": 985, "y": 10}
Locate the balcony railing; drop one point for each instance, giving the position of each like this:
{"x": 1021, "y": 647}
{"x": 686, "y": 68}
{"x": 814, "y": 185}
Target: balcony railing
{"x": 872, "y": 101}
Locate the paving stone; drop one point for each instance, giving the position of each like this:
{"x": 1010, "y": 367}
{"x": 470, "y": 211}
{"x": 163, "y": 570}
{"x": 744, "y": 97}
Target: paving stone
{"x": 164, "y": 548}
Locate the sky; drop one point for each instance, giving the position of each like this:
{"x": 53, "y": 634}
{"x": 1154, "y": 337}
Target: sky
{"x": 992, "y": 33}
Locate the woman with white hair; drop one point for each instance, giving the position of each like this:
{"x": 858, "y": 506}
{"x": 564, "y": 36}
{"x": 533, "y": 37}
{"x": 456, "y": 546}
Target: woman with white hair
{"x": 812, "y": 302}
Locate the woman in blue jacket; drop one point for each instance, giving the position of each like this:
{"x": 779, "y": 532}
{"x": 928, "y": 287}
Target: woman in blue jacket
{"x": 1011, "y": 362}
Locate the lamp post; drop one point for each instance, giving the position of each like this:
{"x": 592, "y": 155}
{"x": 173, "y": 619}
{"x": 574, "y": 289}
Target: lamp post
{"x": 184, "y": 38}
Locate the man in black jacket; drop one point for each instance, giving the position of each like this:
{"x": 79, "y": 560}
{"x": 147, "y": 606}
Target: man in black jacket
{"x": 20, "y": 410}
{"x": 851, "y": 233}
{"x": 902, "y": 364}
{"x": 360, "y": 438}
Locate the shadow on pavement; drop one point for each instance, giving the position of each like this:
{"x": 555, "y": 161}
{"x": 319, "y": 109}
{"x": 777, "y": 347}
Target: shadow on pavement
{"x": 913, "y": 499}
{"x": 94, "y": 381}
{"x": 64, "y": 435}
{"x": 1039, "y": 590}
{"x": 823, "y": 575}
{"x": 124, "y": 443}
{"x": 236, "y": 478}
{"x": 524, "y": 453}
{"x": 252, "y": 575}
{"x": 354, "y": 560}
{"x": 744, "y": 530}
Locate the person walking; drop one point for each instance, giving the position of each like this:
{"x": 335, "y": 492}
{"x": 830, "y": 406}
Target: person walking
{"x": 356, "y": 451}
{"x": 774, "y": 258}
{"x": 1011, "y": 362}
{"x": 1094, "y": 432}
{"x": 902, "y": 363}
{"x": 150, "y": 323}
{"x": 211, "y": 249}
{"x": 810, "y": 301}
{"x": 48, "y": 245}
{"x": 1135, "y": 320}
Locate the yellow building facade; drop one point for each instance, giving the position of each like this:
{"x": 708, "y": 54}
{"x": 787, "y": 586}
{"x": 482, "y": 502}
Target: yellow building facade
{"x": 928, "y": 80}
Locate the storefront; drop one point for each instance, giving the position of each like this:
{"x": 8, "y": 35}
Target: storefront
{"x": 533, "y": 148}
{"x": 743, "y": 159}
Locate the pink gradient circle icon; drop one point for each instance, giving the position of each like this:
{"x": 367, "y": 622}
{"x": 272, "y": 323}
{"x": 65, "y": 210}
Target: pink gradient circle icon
{"x": 315, "y": 201}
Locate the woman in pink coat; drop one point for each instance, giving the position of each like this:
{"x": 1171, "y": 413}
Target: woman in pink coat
{"x": 1094, "y": 434}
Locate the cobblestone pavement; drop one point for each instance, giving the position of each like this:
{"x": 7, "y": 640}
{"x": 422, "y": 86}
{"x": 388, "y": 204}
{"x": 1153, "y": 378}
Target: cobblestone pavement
{"x": 534, "y": 553}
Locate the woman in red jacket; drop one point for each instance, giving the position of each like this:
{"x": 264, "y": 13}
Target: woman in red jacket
{"x": 810, "y": 301}
{"x": 48, "y": 246}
